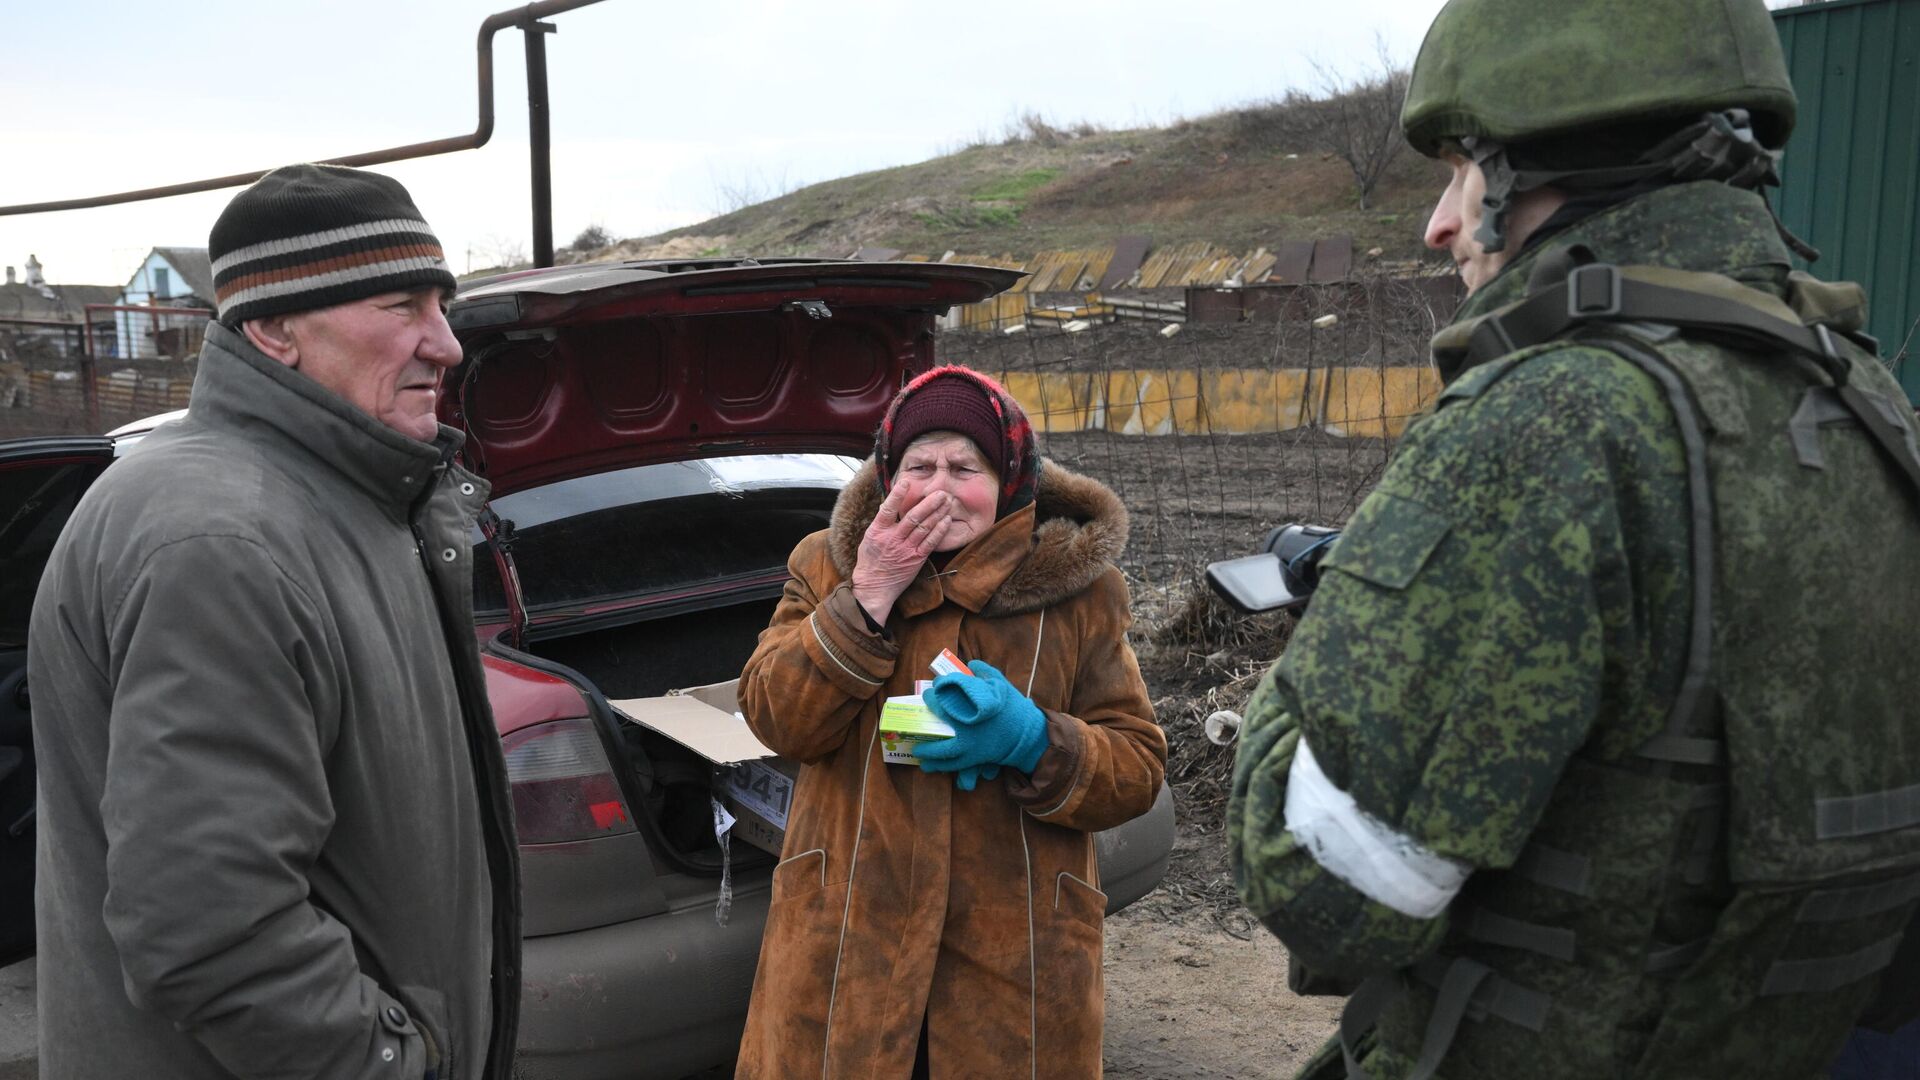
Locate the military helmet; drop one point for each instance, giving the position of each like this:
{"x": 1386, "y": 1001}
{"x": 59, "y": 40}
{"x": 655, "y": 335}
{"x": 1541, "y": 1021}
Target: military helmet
{"x": 1513, "y": 71}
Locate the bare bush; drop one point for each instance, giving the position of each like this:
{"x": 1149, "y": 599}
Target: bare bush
{"x": 496, "y": 252}
{"x": 592, "y": 238}
{"x": 749, "y": 187}
{"x": 1033, "y": 127}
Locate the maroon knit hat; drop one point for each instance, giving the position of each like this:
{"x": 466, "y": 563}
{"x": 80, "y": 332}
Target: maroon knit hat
{"x": 949, "y": 403}
{"x": 954, "y": 398}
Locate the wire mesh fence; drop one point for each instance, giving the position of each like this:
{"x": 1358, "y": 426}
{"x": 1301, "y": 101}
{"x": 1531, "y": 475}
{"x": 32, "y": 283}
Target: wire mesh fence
{"x": 1216, "y": 414}
{"x": 1217, "y": 427}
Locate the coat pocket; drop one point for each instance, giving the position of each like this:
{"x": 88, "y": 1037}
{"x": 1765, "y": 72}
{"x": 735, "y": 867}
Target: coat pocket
{"x": 1388, "y": 540}
{"x": 427, "y": 1009}
{"x": 1079, "y": 900}
{"x": 800, "y": 875}
{"x": 1069, "y": 997}
{"x": 799, "y": 963}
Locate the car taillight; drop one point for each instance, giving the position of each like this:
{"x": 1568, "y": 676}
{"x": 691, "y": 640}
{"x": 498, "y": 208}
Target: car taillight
{"x": 563, "y": 788}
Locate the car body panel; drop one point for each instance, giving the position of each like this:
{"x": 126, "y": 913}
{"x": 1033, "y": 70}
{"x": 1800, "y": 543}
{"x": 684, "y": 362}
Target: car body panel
{"x": 521, "y": 696}
{"x": 660, "y": 997}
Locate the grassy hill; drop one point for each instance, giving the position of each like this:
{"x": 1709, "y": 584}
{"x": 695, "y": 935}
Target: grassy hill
{"x": 1239, "y": 179}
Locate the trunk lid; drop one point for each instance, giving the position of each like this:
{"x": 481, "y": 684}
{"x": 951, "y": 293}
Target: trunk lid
{"x": 576, "y": 370}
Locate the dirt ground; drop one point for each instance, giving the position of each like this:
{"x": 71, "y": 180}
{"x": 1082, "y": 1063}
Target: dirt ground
{"x": 1188, "y": 996}
{"x": 1376, "y": 321}
{"x": 1195, "y": 986}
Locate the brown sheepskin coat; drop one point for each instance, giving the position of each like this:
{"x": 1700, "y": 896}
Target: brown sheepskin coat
{"x": 900, "y": 897}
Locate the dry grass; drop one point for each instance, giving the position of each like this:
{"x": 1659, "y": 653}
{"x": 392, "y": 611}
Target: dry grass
{"x": 1235, "y": 178}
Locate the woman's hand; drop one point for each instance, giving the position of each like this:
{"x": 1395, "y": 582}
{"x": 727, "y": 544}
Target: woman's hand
{"x": 897, "y": 541}
{"x": 994, "y": 724}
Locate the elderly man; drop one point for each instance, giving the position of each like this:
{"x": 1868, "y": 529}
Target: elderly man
{"x": 1594, "y": 756}
{"x": 275, "y": 836}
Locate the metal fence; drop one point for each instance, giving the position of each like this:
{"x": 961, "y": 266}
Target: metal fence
{"x": 140, "y": 332}
{"x": 121, "y": 364}
{"x": 1258, "y": 406}
{"x": 1215, "y": 413}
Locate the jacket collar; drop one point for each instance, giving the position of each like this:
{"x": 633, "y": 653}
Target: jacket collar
{"x": 1704, "y": 226}
{"x": 1034, "y": 557}
{"x": 242, "y": 390}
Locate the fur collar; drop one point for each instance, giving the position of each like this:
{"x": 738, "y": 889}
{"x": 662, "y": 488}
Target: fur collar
{"x": 1080, "y": 527}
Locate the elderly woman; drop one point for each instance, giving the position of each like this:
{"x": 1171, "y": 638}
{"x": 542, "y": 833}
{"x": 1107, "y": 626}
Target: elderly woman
{"x": 944, "y": 919}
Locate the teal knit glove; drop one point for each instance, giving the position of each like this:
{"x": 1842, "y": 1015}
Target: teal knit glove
{"x": 994, "y": 724}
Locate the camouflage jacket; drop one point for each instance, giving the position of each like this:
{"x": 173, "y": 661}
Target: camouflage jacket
{"x": 1500, "y": 631}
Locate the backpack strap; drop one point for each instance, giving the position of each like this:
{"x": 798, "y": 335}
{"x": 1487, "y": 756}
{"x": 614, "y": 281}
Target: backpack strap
{"x": 1600, "y": 293}
{"x": 1677, "y": 744}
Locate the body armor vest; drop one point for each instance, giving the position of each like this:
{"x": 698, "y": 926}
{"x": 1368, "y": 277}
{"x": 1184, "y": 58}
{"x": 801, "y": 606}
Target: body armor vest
{"x": 1781, "y": 804}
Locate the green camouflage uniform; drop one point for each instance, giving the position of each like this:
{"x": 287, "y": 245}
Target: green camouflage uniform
{"x": 1503, "y": 631}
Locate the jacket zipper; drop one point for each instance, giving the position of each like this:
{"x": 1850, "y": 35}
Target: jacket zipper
{"x": 499, "y": 835}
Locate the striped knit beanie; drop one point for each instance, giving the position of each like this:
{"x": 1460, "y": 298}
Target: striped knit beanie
{"x": 311, "y": 236}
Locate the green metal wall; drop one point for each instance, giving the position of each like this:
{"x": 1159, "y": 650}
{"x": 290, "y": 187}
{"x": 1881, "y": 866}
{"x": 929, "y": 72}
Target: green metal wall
{"x": 1851, "y": 180}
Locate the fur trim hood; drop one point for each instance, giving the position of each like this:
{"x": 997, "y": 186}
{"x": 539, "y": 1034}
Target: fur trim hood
{"x": 1080, "y": 528}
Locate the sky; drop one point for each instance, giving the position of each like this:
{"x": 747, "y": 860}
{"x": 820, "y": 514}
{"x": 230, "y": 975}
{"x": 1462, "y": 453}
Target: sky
{"x": 661, "y": 112}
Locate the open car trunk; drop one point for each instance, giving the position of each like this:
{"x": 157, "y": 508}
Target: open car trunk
{"x": 653, "y": 434}
{"x": 672, "y": 785}
{"x": 641, "y": 582}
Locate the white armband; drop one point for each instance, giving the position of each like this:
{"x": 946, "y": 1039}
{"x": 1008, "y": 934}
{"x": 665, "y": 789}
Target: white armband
{"x": 1362, "y": 850}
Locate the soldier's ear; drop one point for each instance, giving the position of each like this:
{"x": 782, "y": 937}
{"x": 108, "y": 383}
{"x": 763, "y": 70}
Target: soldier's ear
{"x": 272, "y": 335}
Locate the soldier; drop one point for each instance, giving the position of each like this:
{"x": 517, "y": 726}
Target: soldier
{"x": 1591, "y": 757}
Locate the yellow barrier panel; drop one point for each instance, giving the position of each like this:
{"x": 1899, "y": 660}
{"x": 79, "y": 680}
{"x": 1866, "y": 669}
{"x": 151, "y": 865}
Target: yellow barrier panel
{"x": 1352, "y": 401}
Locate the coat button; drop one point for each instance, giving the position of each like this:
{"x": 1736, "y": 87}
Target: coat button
{"x": 466, "y": 489}
{"x": 386, "y": 1054}
{"x": 396, "y": 1016}
{"x": 449, "y": 555}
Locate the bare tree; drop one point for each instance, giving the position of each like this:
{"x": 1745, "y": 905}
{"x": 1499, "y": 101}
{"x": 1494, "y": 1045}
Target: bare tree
{"x": 497, "y": 252}
{"x": 1357, "y": 119}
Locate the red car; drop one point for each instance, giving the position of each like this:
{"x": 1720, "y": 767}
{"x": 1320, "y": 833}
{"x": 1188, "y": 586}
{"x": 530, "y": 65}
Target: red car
{"x": 658, "y": 436}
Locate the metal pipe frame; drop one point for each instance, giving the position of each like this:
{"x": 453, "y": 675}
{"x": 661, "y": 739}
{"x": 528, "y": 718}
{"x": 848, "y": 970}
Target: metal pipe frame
{"x": 526, "y": 19}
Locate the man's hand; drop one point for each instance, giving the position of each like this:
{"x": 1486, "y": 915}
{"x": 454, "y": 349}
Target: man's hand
{"x": 897, "y": 541}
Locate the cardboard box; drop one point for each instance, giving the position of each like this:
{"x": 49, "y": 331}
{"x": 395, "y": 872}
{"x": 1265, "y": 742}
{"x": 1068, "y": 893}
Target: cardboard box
{"x": 755, "y": 785}
{"x": 905, "y": 721}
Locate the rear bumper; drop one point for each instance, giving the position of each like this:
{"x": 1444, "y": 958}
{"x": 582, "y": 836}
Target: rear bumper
{"x": 666, "y": 995}
{"x": 661, "y": 997}
{"x": 1133, "y": 857}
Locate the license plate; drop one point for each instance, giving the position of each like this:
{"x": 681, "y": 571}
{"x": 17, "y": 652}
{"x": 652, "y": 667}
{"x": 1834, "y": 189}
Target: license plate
{"x": 763, "y": 790}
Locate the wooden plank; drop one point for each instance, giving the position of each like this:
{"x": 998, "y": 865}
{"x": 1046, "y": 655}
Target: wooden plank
{"x": 1128, "y": 253}
{"x": 1291, "y": 261}
{"x": 1096, "y": 270}
{"x": 1332, "y": 259}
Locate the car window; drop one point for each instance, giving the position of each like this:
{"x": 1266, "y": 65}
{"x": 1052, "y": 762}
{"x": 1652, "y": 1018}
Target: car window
{"x": 37, "y": 503}
{"x": 655, "y": 528}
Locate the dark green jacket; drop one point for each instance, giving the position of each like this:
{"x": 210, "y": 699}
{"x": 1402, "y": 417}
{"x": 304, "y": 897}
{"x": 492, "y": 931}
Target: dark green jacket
{"x": 1501, "y": 632}
{"x": 274, "y": 836}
